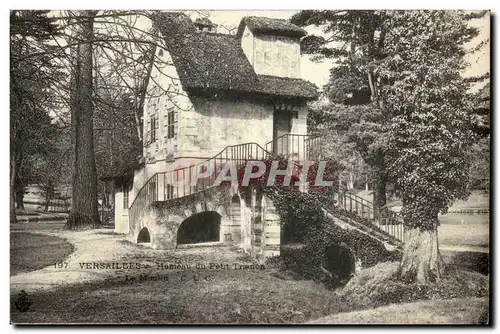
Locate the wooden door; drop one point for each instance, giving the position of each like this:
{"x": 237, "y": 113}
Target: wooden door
{"x": 282, "y": 125}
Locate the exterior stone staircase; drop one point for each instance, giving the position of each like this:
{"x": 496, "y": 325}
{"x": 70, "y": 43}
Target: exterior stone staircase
{"x": 384, "y": 225}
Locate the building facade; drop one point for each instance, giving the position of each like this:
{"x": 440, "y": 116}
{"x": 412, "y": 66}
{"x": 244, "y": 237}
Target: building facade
{"x": 208, "y": 91}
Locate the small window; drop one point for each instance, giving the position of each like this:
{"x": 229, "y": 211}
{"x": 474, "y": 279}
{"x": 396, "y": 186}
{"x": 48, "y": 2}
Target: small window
{"x": 295, "y": 114}
{"x": 170, "y": 126}
{"x": 160, "y": 53}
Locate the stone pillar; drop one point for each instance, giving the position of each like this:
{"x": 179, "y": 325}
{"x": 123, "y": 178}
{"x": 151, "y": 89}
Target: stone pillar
{"x": 272, "y": 229}
{"x": 246, "y": 226}
{"x": 257, "y": 224}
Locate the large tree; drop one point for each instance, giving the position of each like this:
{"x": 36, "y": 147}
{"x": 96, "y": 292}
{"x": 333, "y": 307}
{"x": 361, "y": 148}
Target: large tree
{"x": 398, "y": 94}
{"x": 111, "y": 63}
{"x": 431, "y": 131}
{"x": 355, "y": 40}
{"x": 84, "y": 207}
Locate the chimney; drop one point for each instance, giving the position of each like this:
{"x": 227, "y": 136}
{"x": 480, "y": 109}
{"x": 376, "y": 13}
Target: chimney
{"x": 204, "y": 24}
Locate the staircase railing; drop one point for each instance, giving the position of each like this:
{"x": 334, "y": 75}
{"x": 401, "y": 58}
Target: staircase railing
{"x": 294, "y": 146}
{"x": 387, "y": 220}
{"x": 186, "y": 181}
{"x": 307, "y": 147}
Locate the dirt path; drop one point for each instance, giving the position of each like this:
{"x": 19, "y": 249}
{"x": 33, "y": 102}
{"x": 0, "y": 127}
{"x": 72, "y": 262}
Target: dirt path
{"x": 105, "y": 247}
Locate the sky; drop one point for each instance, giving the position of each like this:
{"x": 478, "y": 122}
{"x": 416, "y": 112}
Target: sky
{"x": 318, "y": 73}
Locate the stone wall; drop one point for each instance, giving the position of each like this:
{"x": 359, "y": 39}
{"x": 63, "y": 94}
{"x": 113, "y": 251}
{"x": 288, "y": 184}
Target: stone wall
{"x": 121, "y": 214}
{"x": 248, "y": 45}
{"x": 165, "y": 94}
{"x": 272, "y": 55}
{"x": 277, "y": 55}
{"x": 215, "y": 123}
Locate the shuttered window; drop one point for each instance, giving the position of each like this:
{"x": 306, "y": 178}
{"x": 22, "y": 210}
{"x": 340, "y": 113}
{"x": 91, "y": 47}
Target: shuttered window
{"x": 153, "y": 127}
{"x": 171, "y": 124}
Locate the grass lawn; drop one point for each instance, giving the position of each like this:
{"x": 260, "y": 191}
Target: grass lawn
{"x": 232, "y": 296}
{"x": 477, "y": 199}
{"x": 464, "y": 230}
{"x": 464, "y": 240}
{"x": 228, "y": 296}
{"x": 453, "y": 311}
{"x": 30, "y": 251}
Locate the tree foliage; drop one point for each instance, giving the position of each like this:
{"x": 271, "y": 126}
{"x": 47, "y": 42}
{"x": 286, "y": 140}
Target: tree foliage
{"x": 355, "y": 39}
{"x": 397, "y": 93}
{"x": 32, "y": 95}
{"x": 431, "y": 126}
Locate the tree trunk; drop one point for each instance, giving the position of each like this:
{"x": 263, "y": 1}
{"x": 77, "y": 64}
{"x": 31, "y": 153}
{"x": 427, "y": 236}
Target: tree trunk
{"x": 20, "y": 197}
{"x": 13, "y": 217}
{"x": 350, "y": 179}
{"x": 421, "y": 260}
{"x": 379, "y": 193}
{"x": 84, "y": 213}
{"x": 48, "y": 198}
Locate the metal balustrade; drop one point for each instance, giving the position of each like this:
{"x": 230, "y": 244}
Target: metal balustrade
{"x": 386, "y": 220}
{"x": 297, "y": 147}
{"x": 185, "y": 181}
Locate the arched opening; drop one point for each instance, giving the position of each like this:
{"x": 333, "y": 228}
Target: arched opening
{"x": 144, "y": 236}
{"x": 201, "y": 227}
{"x": 340, "y": 263}
{"x": 293, "y": 231}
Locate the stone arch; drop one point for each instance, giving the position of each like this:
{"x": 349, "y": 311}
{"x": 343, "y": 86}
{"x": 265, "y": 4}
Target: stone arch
{"x": 201, "y": 227}
{"x": 340, "y": 262}
{"x": 144, "y": 237}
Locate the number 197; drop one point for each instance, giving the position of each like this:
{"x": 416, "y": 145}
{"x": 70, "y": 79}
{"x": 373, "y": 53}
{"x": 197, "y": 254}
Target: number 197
{"x": 60, "y": 265}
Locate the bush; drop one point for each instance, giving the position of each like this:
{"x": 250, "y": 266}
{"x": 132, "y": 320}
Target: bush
{"x": 379, "y": 285}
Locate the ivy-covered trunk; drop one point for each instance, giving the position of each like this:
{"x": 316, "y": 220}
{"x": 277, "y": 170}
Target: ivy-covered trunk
{"x": 379, "y": 193}
{"x": 421, "y": 260}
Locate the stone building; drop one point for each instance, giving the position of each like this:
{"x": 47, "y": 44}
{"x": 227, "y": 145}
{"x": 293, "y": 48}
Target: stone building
{"x": 208, "y": 91}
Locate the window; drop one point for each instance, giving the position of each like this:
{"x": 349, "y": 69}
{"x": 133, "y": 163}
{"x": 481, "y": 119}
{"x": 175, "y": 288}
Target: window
{"x": 295, "y": 113}
{"x": 125, "y": 196}
{"x": 160, "y": 53}
{"x": 153, "y": 127}
{"x": 151, "y": 193}
{"x": 170, "y": 125}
